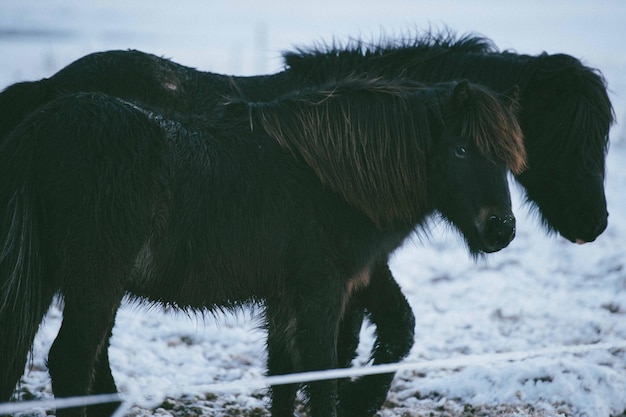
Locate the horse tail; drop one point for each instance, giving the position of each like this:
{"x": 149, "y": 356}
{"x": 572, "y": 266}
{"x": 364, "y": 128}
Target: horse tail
{"x": 18, "y": 100}
{"x": 24, "y": 297}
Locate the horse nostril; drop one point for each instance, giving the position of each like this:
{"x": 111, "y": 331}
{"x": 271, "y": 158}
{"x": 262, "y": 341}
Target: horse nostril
{"x": 499, "y": 231}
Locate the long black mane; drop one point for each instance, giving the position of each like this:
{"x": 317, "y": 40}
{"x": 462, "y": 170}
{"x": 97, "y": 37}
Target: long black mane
{"x": 469, "y": 56}
{"x": 435, "y": 57}
{"x": 406, "y": 56}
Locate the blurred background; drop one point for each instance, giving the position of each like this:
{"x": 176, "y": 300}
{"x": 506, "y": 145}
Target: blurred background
{"x": 246, "y": 37}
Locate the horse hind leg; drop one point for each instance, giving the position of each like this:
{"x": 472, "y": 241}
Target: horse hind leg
{"x": 18, "y": 327}
{"x": 88, "y": 317}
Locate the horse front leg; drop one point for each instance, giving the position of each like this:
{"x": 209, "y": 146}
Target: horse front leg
{"x": 316, "y": 342}
{"x": 393, "y": 317}
{"x": 316, "y": 301}
{"x": 301, "y": 340}
{"x": 317, "y": 339}
{"x": 281, "y": 356}
{"x": 103, "y": 382}
{"x": 350, "y": 331}
{"x": 349, "y": 335}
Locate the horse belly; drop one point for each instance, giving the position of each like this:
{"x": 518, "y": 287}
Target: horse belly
{"x": 204, "y": 284}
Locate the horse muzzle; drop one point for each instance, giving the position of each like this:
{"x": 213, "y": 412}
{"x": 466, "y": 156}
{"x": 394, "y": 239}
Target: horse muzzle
{"x": 496, "y": 231}
{"x": 588, "y": 230}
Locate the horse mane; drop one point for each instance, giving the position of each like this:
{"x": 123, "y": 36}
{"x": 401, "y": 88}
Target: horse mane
{"x": 357, "y": 138}
{"x": 427, "y": 45}
{"x": 369, "y": 140}
{"x": 388, "y": 56}
{"x": 575, "y": 95}
{"x": 581, "y": 108}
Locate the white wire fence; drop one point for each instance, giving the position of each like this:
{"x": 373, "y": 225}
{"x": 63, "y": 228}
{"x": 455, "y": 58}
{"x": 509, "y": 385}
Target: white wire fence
{"x": 136, "y": 398}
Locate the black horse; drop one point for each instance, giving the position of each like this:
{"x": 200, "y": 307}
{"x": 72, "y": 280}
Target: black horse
{"x": 286, "y": 204}
{"x": 565, "y": 117}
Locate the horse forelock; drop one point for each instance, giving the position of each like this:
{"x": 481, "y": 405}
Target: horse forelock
{"x": 493, "y": 126}
{"x": 366, "y": 140}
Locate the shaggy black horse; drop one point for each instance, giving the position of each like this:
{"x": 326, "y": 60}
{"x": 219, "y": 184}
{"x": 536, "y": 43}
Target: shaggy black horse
{"x": 285, "y": 204}
{"x": 565, "y": 117}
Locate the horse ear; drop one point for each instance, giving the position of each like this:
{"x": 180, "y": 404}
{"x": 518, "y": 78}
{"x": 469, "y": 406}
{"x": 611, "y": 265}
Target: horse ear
{"x": 460, "y": 93}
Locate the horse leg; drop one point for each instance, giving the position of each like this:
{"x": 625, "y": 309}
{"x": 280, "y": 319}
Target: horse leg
{"x": 349, "y": 335}
{"x": 103, "y": 383}
{"x": 280, "y": 359}
{"x": 317, "y": 326}
{"x": 316, "y": 341}
{"x": 88, "y": 316}
{"x": 303, "y": 327}
{"x": 349, "y": 332}
{"x": 390, "y": 312}
{"x": 19, "y": 324}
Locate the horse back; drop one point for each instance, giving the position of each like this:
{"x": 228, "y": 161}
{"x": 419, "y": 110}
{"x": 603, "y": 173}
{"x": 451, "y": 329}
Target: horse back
{"x": 197, "y": 216}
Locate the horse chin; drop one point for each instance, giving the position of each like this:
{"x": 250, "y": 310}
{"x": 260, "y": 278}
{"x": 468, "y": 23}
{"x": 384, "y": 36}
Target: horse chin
{"x": 577, "y": 223}
{"x": 479, "y": 249}
{"x": 578, "y": 240}
{"x": 494, "y": 247}
{"x": 480, "y": 245}
{"x": 585, "y": 234}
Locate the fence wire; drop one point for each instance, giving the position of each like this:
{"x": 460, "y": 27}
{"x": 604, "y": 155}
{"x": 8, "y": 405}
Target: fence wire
{"x": 134, "y": 397}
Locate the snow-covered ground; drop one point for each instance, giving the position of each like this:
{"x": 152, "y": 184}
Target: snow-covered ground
{"x": 540, "y": 292}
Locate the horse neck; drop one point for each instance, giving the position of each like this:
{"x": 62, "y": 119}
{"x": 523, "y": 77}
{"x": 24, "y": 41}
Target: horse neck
{"x": 497, "y": 71}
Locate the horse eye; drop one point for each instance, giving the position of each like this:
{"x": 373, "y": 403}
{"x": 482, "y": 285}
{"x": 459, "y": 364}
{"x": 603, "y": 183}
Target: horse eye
{"x": 460, "y": 152}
